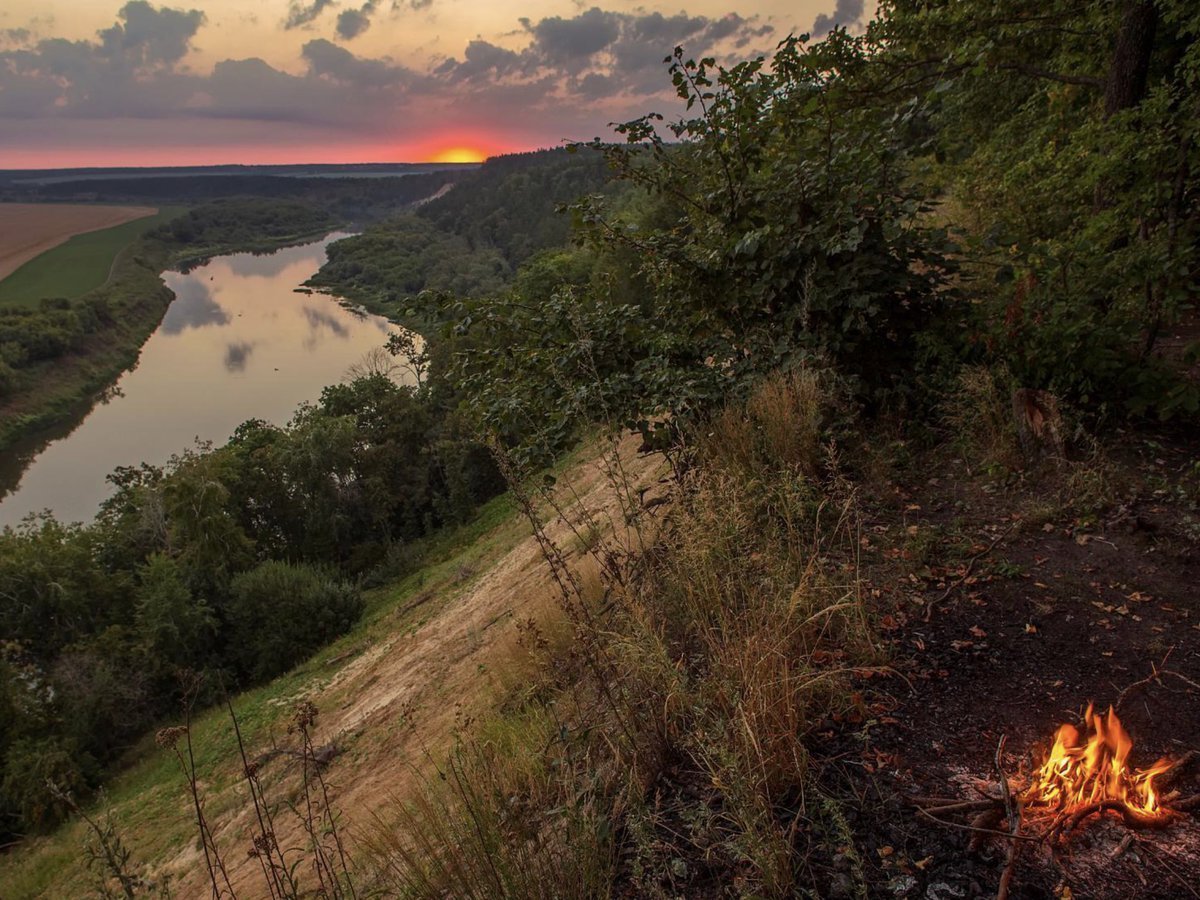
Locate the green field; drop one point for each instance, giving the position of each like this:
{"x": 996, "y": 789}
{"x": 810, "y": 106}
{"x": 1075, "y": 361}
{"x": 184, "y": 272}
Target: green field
{"x": 78, "y": 265}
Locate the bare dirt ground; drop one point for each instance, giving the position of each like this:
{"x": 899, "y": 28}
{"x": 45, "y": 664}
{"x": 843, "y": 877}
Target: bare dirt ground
{"x": 30, "y": 229}
{"x": 397, "y": 702}
{"x": 1007, "y": 615}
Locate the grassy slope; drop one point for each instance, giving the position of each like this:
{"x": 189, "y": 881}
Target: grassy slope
{"x": 148, "y": 800}
{"x": 77, "y": 266}
{"x": 389, "y": 692}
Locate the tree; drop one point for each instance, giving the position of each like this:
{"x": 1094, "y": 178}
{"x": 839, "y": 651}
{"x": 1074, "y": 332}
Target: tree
{"x": 174, "y": 628}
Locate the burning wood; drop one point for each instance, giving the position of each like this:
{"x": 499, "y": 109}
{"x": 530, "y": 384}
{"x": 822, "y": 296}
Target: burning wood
{"x": 1086, "y": 772}
{"x": 1090, "y": 772}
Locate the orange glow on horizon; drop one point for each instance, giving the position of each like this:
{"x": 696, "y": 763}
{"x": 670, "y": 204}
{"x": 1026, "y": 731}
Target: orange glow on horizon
{"x": 444, "y": 148}
{"x": 459, "y": 155}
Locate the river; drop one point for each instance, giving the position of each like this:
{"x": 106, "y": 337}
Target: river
{"x": 237, "y": 342}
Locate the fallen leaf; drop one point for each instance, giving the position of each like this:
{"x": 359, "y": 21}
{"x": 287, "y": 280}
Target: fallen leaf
{"x": 1030, "y": 628}
{"x": 977, "y": 631}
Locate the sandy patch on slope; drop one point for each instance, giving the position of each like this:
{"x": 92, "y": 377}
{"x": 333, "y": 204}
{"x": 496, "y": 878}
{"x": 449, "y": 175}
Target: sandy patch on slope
{"x": 399, "y": 698}
{"x": 30, "y": 229}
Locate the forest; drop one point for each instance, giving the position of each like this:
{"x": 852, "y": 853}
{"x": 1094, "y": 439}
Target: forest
{"x": 472, "y": 240}
{"x": 909, "y": 313}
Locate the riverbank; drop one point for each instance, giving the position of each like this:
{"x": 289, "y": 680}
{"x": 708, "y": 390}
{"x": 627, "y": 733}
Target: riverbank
{"x": 60, "y": 389}
{"x": 239, "y": 343}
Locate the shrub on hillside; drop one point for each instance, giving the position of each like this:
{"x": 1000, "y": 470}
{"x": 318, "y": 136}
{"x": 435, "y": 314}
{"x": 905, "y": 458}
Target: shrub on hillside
{"x": 281, "y": 612}
{"x": 33, "y": 765}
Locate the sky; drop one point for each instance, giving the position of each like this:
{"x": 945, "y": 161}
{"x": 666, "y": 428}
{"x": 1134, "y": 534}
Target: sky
{"x": 205, "y": 82}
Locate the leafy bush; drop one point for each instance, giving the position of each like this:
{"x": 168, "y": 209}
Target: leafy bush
{"x": 279, "y": 613}
{"x": 31, "y": 763}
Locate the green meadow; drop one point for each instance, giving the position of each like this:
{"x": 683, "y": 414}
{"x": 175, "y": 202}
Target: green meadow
{"x": 78, "y": 265}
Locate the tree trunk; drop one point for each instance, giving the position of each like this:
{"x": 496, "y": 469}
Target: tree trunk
{"x": 1130, "y": 63}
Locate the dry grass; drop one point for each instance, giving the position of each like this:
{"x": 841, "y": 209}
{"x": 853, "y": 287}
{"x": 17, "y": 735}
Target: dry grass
{"x": 667, "y": 727}
{"x": 652, "y": 715}
{"x": 980, "y": 420}
{"x": 778, "y": 427}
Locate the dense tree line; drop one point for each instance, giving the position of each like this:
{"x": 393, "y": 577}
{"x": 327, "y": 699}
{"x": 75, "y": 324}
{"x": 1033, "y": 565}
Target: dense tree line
{"x": 1015, "y": 184}
{"x": 350, "y": 198}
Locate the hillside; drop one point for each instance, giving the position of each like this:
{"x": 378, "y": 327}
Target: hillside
{"x": 434, "y": 650}
{"x": 472, "y": 240}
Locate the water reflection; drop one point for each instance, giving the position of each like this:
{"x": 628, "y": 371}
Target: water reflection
{"x": 237, "y": 354}
{"x": 238, "y": 342}
{"x": 320, "y": 318}
{"x": 193, "y": 307}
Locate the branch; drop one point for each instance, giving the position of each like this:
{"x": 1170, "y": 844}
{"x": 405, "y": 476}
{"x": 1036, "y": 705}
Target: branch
{"x": 1034, "y": 72}
{"x": 1013, "y": 810}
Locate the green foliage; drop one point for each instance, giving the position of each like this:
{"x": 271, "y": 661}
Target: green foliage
{"x": 51, "y": 587}
{"x": 281, "y": 612}
{"x": 512, "y": 201}
{"x": 1069, "y": 138}
{"x": 30, "y": 764}
{"x": 405, "y": 256}
{"x": 782, "y": 229}
{"x": 470, "y": 241}
{"x": 246, "y": 223}
{"x": 102, "y": 693}
{"x": 171, "y": 623}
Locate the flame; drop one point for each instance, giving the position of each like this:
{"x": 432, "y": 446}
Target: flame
{"x": 1083, "y": 770}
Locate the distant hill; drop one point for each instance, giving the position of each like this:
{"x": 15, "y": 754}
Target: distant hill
{"x": 493, "y": 220}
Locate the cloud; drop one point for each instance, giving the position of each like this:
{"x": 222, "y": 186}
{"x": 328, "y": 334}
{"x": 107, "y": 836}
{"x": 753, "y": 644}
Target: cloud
{"x": 353, "y": 22}
{"x": 193, "y": 307}
{"x": 553, "y": 78}
{"x": 300, "y": 16}
{"x": 574, "y": 40}
{"x": 17, "y": 36}
{"x": 846, "y": 13}
{"x": 150, "y": 36}
{"x": 624, "y": 51}
{"x": 482, "y": 59}
{"x": 329, "y": 62}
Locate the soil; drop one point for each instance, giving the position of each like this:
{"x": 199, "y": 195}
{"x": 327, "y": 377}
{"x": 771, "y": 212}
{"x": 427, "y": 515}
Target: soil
{"x": 30, "y": 229}
{"x": 1007, "y": 614}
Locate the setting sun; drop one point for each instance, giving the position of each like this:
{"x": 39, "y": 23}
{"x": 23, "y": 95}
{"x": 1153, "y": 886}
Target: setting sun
{"x": 459, "y": 155}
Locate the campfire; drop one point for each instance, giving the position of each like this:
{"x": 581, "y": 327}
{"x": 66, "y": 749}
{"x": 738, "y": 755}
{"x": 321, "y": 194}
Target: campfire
{"x": 1091, "y": 772}
{"x": 1086, "y": 773}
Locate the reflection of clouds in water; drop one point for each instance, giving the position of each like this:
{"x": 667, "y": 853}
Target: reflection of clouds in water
{"x": 193, "y": 307}
{"x": 271, "y": 265}
{"x": 236, "y": 355}
{"x": 318, "y": 319}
